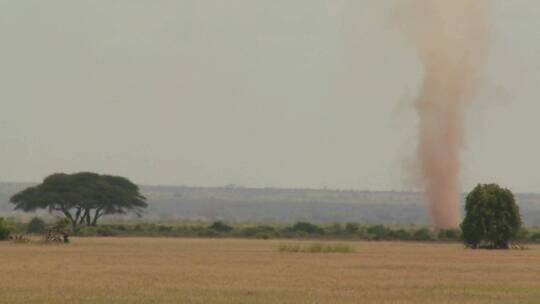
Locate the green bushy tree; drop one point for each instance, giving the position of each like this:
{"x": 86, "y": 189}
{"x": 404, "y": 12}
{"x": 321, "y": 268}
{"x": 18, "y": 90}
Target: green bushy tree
{"x": 492, "y": 218}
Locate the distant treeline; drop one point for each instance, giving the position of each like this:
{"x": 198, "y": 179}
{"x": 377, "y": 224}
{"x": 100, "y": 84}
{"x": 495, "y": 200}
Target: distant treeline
{"x": 280, "y": 206}
{"x": 349, "y": 231}
{"x": 299, "y": 230}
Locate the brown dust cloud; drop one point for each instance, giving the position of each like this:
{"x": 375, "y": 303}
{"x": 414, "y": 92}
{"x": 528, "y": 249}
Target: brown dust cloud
{"x": 451, "y": 38}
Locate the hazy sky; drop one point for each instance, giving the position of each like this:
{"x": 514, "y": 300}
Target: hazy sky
{"x": 282, "y": 93}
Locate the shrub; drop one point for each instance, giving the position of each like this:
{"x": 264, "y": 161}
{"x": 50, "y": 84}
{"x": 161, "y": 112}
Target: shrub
{"x": 165, "y": 229}
{"x": 36, "y": 226}
{"x": 401, "y": 234}
{"x": 87, "y": 231}
{"x": 219, "y": 226}
{"x": 535, "y": 238}
{"x": 449, "y": 235}
{"x": 379, "y": 232}
{"x": 107, "y": 231}
{"x": 352, "y": 228}
{"x": 335, "y": 229}
{"x": 423, "y": 234}
{"x": 120, "y": 227}
{"x": 260, "y": 232}
{"x": 4, "y": 230}
{"x": 145, "y": 229}
{"x": 307, "y": 228}
{"x": 62, "y": 224}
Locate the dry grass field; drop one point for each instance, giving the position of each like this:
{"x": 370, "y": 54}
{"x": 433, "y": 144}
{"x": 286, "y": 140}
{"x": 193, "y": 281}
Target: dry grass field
{"x": 159, "y": 270}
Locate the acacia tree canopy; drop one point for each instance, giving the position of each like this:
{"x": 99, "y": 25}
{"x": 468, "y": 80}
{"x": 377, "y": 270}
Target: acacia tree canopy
{"x": 492, "y": 217}
{"x": 83, "y": 197}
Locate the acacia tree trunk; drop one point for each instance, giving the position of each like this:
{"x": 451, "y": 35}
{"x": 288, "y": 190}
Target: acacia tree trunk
{"x": 97, "y": 215}
{"x": 88, "y": 218}
{"x": 77, "y": 215}
{"x": 83, "y": 216}
{"x": 68, "y": 215}
{"x": 73, "y": 224}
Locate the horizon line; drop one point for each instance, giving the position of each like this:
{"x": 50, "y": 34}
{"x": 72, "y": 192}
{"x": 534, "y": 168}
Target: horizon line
{"x": 240, "y": 187}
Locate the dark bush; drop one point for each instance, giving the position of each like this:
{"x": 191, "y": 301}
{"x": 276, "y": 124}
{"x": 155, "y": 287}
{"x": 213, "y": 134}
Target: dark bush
{"x": 401, "y": 234}
{"x": 423, "y": 234}
{"x": 263, "y": 232}
{"x": 107, "y": 231}
{"x": 4, "y": 230}
{"x": 522, "y": 236}
{"x": 449, "y": 235}
{"x": 219, "y": 226}
{"x": 335, "y": 229}
{"x": 62, "y": 224}
{"x": 120, "y": 227}
{"x": 307, "y": 228}
{"x": 352, "y": 228}
{"x": 36, "y": 226}
{"x": 165, "y": 229}
{"x": 535, "y": 238}
{"x": 87, "y": 231}
{"x": 379, "y": 232}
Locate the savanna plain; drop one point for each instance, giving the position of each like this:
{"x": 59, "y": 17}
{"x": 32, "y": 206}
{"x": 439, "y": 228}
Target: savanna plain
{"x": 173, "y": 270}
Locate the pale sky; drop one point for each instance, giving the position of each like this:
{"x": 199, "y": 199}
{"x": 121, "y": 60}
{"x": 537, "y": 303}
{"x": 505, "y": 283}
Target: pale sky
{"x": 277, "y": 93}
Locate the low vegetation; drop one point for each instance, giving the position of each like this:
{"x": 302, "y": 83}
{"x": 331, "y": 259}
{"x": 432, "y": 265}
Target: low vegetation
{"x": 4, "y": 230}
{"x": 300, "y": 230}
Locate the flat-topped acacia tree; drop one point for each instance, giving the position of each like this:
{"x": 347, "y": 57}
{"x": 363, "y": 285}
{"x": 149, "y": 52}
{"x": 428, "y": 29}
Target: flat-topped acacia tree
{"x": 83, "y": 197}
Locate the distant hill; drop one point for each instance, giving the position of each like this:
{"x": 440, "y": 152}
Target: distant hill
{"x": 285, "y": 205}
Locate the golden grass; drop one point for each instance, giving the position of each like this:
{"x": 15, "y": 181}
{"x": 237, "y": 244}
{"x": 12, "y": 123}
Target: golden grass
{"x": 316, "y": 248}
{"x": 154, "y": 270}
